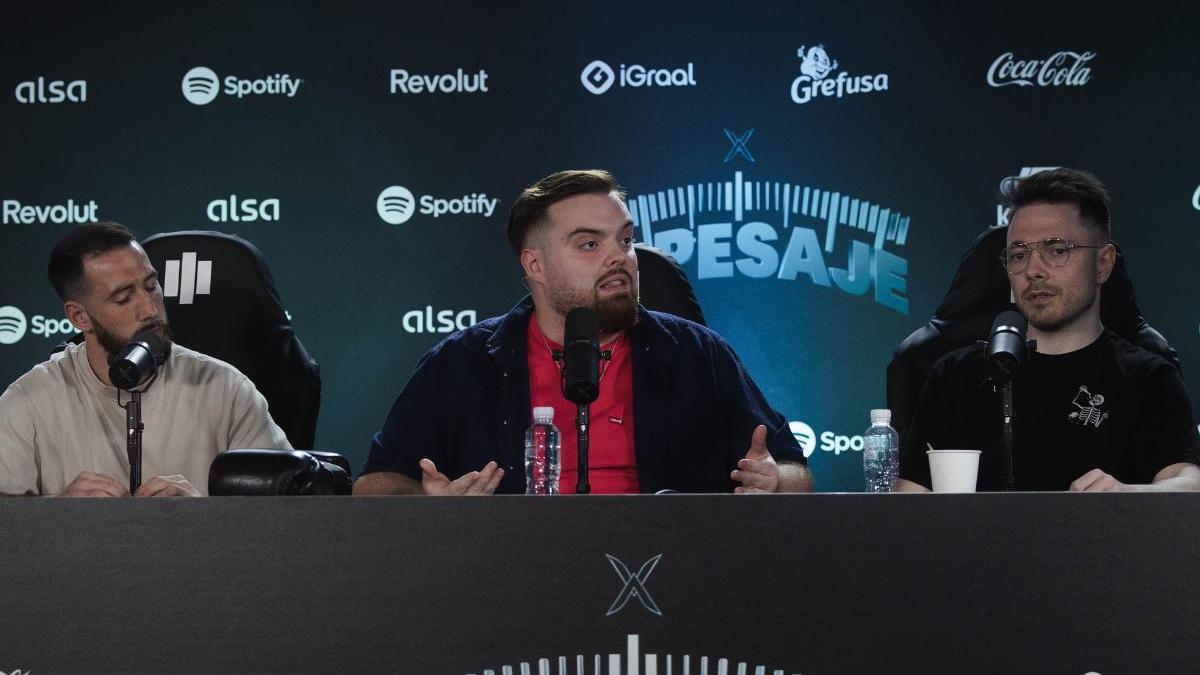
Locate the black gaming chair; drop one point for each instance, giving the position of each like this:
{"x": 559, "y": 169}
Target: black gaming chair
{"x": 664, "y": 286}
{"x": 978, "y": 293}
{"x": 221, "y": 300}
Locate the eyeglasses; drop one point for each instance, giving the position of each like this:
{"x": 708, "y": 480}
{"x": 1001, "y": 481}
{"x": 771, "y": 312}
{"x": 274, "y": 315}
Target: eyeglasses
{"x": 1053, "y": 252}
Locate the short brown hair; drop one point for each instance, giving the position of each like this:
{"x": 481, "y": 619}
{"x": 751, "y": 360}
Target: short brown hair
{"x": 66, "y": 260}
{"x": 1063, "y": 186}
{"x": 529, "y": 211}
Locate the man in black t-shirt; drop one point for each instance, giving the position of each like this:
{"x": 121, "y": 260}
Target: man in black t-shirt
{"x": 1091, "y": 412}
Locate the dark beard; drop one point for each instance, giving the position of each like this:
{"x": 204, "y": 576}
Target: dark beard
{"x": 112, "y": 343}
{"x": 617, "y": 313}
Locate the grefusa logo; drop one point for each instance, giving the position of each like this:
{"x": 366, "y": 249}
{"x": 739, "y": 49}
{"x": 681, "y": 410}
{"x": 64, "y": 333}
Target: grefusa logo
{"x": 814, "y": 80}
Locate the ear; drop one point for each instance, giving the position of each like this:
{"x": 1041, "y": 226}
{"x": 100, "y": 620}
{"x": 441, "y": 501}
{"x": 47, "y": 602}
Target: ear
{"x": 78, "y": 316}
{"x": 533, "y": 262}
{"x": 1106, "y": 260}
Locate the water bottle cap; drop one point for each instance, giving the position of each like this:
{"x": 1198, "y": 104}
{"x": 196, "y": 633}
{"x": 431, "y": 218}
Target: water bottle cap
{"x": 881, "y": 416}
{"x": 543, "y": 414}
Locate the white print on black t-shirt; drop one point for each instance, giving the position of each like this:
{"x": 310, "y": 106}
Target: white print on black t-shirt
{"x": 1089, "y": 411}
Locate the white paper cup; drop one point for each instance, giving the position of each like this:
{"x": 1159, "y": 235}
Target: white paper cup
{"x": 953, "y": 470}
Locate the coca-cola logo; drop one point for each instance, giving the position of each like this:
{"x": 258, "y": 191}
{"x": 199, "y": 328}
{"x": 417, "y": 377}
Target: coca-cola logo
{"x": 1062, "y": 69}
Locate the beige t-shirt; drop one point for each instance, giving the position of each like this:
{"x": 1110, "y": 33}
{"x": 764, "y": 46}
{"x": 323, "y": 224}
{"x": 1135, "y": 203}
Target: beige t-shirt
{"x": 59, "y": 419}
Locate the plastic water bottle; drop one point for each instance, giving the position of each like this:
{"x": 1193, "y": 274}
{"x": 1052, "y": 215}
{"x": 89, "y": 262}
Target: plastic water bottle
{"x": 543, "y": 446}
{"x": 881, "y": 453}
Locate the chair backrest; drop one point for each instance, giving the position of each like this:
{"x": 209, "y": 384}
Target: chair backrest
{"x": 221, "y": 300}
{"x": 978, "y": 293}
{"x": 664, "y": 286}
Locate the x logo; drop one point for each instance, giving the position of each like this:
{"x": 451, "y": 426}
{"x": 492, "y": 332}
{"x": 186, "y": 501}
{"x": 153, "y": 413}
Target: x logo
{"x": 738, "y": 145}
{"x": 634, "y": 585}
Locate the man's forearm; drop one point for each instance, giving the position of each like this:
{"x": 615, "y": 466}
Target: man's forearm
{"x": 794, "y": 477}
{"x": 387, "y": 483}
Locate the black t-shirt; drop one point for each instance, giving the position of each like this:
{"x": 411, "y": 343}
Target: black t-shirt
{"x": 1110, "y": 405}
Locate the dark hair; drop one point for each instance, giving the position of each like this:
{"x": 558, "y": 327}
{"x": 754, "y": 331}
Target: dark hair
{"x": 529, "y": 211}
{"x": 66, "y": 260}
{"x": 1062, "y": 186}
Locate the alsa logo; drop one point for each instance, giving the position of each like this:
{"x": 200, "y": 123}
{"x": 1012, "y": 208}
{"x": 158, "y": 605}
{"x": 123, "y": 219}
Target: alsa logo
{"x": 1061, "y": 69}
{"x": 53, "y": 91}
{"x": 396, "y": 205}
{"x": 243, "y": 210}
{"x": 598, "y": 77}
{"x": 814, "y": 80}
{"x": 13, "y": 212}
{"x": 448, "y": 320}
{"x": 201, "y": 85}
{"x": 401, "y": 81}
{"x": 830, "y": 442}
{"x": 1006, "y": 184}
{"x": 13, "y": 325}
{"x": 768, "y": 229}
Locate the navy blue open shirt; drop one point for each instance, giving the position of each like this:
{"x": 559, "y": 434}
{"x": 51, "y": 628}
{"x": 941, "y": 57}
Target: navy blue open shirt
{"x": 694, "y": 406}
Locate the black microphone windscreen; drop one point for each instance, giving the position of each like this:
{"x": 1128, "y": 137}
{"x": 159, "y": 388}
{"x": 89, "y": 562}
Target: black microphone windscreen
{"x": 1012, "y": 319}
{"x": 582, "y": 324}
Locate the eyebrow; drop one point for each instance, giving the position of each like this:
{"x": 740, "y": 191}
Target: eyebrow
{"x": 126, "y": 287}
{"x": 628, "y": 225}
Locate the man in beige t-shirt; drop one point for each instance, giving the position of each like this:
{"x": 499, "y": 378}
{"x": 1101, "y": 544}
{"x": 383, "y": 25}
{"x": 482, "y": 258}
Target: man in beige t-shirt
{"x": 62, "y": 431}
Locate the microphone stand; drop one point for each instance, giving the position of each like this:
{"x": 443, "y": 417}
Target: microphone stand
{"x": 133, "y": 438}
{"x": 1006, "y": 398}
{"x": 581, "y": 457}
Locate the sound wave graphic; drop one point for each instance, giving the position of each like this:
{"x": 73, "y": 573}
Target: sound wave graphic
{"x": 200, "y": 84}
{"x": 634, "y": 663}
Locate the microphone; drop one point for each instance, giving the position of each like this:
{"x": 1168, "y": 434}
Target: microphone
{"x": 581, "y": 357}
{"x": 137, "y": 361}
{"x": 1007, "y": 350}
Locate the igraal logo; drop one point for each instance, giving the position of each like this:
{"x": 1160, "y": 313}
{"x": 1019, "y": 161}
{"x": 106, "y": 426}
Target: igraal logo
{"x": 805, "y": 436}
{"x": 401, "y": 81}
{"x": 12, "y": 325}
{"x": 1006, "y": 184}
{"x": 187, "y": 277}
{"x": 814, "y": 81}
{"x": 598, "y": 77}
{"x": 1061, "y": 69}
{"x": 13, "y": 212}
{"x": 243, "y": 210}
{"x": 783, "y": 231}
{"x": 396, "y": 205}
{"x": 448, "y": 320}
{"x": 53, "y": 91}
{"x": 200, "y": 86}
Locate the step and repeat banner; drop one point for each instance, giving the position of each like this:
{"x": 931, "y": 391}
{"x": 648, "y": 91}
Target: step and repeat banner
{"x": 816, "y": 168}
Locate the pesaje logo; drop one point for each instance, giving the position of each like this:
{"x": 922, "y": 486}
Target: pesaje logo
{"x": 814, "y": 80}
{"x": 1060, "y": 69}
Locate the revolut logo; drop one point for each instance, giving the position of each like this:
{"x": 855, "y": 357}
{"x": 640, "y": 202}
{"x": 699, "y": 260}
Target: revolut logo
{"x": 448, "y": 320}
{"x": 201, "y": 85}
{"x": 400, "y": 81}
{"x": 187, "y": 277}
{"x": 13, "y": 212}
{"x": 816, "y": 78}
{"x": 598, "y": 77}
{"x": 830, "y": 442}
{"x": 396, "y": 205}
{"x": 783, "y": 231}
{"x": 52, "y": 91}
{"x": 13, "y": 325}
{"x": 1006, "y": 184}
{"x": 1061, "y": 69}
{"x": 233, "y": 209}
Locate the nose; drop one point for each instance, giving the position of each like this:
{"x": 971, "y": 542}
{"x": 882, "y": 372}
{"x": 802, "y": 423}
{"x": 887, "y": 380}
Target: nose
{"x": 1036, "y": 269}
